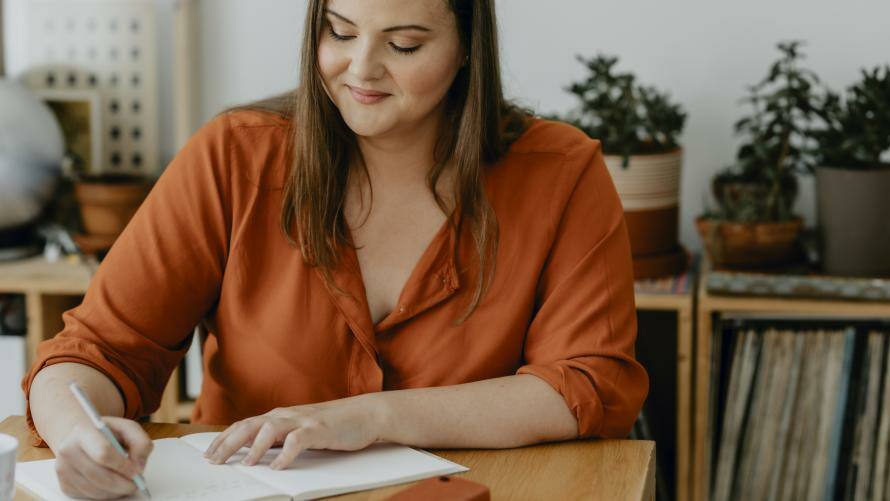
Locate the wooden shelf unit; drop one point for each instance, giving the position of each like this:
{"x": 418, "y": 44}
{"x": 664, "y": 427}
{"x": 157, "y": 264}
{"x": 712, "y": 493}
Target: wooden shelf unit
{"x": 682, "y": 305}
{"x": 710, "y": 307}
{"x": 52, "y": 288}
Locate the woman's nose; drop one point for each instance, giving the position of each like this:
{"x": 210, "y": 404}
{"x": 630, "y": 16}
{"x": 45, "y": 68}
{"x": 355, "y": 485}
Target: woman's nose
{"x": 366, "y": 64}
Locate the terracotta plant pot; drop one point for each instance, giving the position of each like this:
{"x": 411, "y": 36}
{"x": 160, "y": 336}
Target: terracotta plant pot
{"x": 107, "y": 204}
{"x": 649, "y": 188}
{"x": 854, "y": 217}
{"x": 750, "y": 245}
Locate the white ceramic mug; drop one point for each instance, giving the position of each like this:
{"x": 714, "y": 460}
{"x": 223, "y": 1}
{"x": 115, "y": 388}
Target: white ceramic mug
{"x": 8, "y": 449}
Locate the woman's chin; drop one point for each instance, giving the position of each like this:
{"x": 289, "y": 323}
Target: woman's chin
{"x": 369, "y": 128}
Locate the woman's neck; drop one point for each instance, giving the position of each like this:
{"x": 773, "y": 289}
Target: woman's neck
{"x": 403, "y": 156}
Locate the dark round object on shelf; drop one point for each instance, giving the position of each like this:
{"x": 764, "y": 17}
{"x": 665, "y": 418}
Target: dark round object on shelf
{"x": 661, "y": 265}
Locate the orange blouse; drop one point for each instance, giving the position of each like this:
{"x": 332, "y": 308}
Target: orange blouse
{"x": 206, "y": 245}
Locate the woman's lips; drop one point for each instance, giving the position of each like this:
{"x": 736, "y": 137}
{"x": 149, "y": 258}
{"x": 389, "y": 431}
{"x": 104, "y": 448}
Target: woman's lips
{"x": 366, "y": 96}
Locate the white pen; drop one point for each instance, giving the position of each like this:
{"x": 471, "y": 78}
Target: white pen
{"x": 102, "y": 427}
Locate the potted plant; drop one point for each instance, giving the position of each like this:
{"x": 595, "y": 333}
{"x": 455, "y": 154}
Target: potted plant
{"x": 853, "y": 178}
{"x": 638, "y": 127}
{"x": 107, "y": 202}
{"x": 753, "y": 224}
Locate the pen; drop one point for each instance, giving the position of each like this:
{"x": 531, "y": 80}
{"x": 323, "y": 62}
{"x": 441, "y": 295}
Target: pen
{"x": 102, "y": 427}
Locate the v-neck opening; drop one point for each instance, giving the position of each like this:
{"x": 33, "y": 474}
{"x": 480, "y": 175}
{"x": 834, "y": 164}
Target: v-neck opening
{"x": 431, "y": 254}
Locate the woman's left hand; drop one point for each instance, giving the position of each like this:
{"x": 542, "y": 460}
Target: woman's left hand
{"x": 348, "y": 424}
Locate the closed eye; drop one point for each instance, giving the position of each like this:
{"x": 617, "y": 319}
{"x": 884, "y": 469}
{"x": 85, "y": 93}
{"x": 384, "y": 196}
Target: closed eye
{"x": 336, "y": 36}
{"x": 404, "y": 50}
{"x": 398, "y": 48}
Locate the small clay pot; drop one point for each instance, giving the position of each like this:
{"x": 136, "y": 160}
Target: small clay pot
{"x": 108, "y": 204}
{"x": 750, "y": 245}
{"x": 661, "y": 265}
{"x": 649, "y": 188}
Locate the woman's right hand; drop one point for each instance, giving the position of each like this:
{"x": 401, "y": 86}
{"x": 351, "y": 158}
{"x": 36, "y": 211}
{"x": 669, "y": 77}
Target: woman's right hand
{"x": 88, "y": 466}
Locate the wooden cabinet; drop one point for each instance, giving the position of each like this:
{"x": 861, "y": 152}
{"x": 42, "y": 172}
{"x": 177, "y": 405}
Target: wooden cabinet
{"x": 710, "y": 310}
{"x": 52, "y": 288}
{"x": 681, "y": 304}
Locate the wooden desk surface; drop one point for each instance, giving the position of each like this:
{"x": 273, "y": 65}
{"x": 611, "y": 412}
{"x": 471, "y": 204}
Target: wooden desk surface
{"x": 581, "y": 469}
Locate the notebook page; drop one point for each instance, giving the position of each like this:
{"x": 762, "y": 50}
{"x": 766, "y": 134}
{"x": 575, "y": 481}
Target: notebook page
{"x": 326, "y": 473}
{"x": 175, "y": 472}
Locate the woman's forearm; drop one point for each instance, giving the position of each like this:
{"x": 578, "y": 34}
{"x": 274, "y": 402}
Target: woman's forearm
{"x": 505, "y": 412}
{"x": 53, "y": 407}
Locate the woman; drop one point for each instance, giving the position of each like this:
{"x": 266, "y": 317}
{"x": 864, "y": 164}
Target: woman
{"x": 399, "y": 256}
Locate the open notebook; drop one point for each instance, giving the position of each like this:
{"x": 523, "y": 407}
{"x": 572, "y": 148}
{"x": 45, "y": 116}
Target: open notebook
{"x": 177, "y": 470}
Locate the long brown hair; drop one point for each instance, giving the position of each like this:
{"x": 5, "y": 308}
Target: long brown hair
{"x": 479, "y": 125}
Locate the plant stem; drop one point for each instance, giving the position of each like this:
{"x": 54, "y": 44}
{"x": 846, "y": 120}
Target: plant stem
{"x": 776, "y": 188}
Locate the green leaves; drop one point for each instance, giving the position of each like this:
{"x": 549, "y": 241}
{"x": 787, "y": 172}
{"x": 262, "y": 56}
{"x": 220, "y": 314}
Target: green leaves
{"x": 776, "y": 145}
{"x": 856, "y": 130}
{"x": 628, "y": 118}
{"x": 784, "y": 105}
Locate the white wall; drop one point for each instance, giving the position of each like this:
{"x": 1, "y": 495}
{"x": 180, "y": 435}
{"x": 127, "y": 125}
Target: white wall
{"x": 14, "y": 31}
{"x": 249, "y": 49}
{"x": 704, "y": 52}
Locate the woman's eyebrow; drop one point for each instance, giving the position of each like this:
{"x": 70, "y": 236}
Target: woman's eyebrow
{"x": 403, "y": 27}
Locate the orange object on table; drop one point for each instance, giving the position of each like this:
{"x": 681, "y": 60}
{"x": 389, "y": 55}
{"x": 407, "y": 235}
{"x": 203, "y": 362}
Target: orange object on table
{"x": 444, "y": 489}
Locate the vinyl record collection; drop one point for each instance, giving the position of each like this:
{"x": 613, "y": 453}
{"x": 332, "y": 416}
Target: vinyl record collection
{"x": 803, "y": 413}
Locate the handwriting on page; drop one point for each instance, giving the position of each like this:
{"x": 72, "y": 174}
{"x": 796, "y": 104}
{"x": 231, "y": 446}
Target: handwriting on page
{"x": 178, "y": 472}
{"x": 230, "y": 489}
{"x": 173, "y": 474}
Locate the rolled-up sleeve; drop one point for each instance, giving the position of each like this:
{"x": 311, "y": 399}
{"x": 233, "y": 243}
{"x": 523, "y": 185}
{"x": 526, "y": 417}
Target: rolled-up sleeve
{"x": 581, "y": 338}
{"x": 160, "y": 278}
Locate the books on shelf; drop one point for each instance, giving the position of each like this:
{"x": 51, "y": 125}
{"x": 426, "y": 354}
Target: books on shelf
{"x": 672, "y": 284}
{"x": 881, "y": 485}
{"x": 803, "y": 414}
{"x": 860, "y": 467}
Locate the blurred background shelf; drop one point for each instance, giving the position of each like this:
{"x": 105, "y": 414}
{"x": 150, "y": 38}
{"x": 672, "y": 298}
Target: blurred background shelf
{"x": 711, "y": 309}
{"x": 52, "y": 288}
{"x": 665, "y": 314}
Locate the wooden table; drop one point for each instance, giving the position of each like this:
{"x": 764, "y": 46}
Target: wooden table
{"x": 580, "y": 469}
